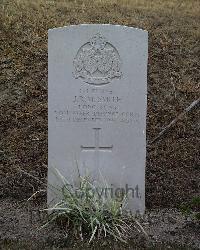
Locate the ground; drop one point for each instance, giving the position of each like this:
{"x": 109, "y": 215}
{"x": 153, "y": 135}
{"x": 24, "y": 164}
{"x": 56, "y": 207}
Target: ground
{"x": 173, "y": 162}
{"x": 166, "y": 229}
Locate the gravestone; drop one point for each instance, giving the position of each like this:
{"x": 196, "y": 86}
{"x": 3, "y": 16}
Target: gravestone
{"x": 97, "y": 87}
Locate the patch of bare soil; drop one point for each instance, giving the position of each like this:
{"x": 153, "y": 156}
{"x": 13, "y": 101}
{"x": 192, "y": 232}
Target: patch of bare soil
{"x": 21, "y": 221}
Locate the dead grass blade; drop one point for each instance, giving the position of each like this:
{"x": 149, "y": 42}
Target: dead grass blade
{"x": 186, "y": 110}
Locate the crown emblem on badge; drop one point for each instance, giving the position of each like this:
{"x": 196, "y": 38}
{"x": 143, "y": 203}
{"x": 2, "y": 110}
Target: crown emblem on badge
{"x": 97, "y": 62}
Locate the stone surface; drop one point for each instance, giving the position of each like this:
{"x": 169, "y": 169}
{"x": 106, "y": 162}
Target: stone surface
{"x": 97, "y": 90}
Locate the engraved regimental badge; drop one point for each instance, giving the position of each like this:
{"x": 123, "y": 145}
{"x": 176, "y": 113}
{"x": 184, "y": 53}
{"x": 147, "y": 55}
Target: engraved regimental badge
{"x": 97, "y": 62}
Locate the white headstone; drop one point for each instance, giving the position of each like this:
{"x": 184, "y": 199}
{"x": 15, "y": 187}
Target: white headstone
{"x": 97, "y": 86}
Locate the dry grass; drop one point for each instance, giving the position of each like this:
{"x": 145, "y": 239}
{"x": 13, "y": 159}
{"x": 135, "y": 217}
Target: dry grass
{"x": 173, "y": 83}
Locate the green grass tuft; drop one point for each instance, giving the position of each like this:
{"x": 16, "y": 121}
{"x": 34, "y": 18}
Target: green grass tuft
{"x": 191, "y": 208}
{"x": 86, "y": 214}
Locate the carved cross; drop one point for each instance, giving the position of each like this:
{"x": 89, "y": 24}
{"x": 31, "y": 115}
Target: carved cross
{"x": 97, "y": 148}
